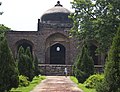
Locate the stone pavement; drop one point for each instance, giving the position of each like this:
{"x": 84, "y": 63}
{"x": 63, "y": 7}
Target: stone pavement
{"x": 57, "y": 84}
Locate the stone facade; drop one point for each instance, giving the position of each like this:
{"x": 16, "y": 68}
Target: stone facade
{"x": 41, "y": 41}
{"x": 50, "y": 43}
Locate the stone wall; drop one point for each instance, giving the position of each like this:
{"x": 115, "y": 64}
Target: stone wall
{"x": 54, "y": 70}
{"x": 58, "y": 70}
{"x": 41, "y": 41}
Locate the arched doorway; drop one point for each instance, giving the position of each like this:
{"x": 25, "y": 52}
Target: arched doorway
{"x": 57, "y": 54}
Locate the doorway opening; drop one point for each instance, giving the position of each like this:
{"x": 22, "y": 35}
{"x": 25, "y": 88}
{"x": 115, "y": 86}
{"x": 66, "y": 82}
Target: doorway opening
{"x": 57, "y": 54}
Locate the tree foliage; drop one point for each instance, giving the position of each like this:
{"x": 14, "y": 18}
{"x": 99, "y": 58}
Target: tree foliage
{"x": 84, "y": 66}
{"x": 8, "y": 69}
{"x": 111, "y": 83}
{"x": 3, "y": 28}
{"x": 37, "y": 71}
{"x": 25, "y": 63}
{"x": 96, "y": 20}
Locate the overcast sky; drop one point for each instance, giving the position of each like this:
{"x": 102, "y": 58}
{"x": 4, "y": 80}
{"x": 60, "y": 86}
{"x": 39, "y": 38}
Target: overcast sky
{"x": 22, "y": 15}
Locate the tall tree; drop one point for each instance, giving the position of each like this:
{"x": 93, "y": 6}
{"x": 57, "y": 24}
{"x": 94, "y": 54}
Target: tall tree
{"x": 96, "y": 20}
{"x": 111, "y": 82}
{"x": 37, "y": 71}
{"x": 25, "y": 63}
{"x": 21, "y": 63}
{"x": 30, "y": 64}
{"x": 84, "y": 66}
{"x": 8, "y": 69}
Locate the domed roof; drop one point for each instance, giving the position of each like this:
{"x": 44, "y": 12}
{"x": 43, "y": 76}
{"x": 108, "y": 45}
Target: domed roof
{"x": 56, "y": 14}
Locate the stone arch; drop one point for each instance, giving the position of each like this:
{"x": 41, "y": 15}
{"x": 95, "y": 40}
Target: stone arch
{"x": 24, "y": 43}
{"x": 54, "y": 40}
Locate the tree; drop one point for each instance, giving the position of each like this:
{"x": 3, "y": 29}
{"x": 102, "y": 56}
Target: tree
{"x": 37, "y": 72}
{"x": 84, "y": 66}
{"x": 8, "y": 69}
{"x": 3, "y": 28}
{"x": 111, "y": 82}
{"x": 25, "y": 63}
{"x": 30, "y": 64}
{"x": 96, "y": 20}
{"x": 21, "y": 62}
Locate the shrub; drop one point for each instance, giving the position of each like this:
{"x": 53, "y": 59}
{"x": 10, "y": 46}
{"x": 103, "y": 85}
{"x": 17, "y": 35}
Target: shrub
{"x": 80, "y": 75}
{"x": 93, "y": 80}
{"x": 23, "y": 81}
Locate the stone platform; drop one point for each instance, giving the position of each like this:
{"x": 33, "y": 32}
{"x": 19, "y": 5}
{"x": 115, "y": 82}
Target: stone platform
{"x": 54, "y": 69}
{"x": 58, "y": 70}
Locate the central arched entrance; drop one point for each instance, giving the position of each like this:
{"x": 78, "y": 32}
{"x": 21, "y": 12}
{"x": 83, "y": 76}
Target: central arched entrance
{"x": 57, "y": 54}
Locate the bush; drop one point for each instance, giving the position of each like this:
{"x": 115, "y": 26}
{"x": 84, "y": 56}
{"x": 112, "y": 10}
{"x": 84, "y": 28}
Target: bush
{"x": 23, "y": 81}
{"x": 36, "y": 80}
{"x": 93, "y": 80}
{"x": 81, "y": 86}
{"x": 81, "y": 76}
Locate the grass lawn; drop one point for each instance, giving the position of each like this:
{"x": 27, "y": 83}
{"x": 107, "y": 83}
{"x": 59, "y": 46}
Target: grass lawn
{"x": 81, "y": 86}
{"x": 32, "y": 84}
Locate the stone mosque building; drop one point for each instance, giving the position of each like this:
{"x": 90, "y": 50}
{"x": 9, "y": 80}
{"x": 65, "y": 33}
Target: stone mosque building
{"x": 51, "y": 43}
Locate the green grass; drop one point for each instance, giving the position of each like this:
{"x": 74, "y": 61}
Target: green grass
{"x": 81, "y": 86}
{"x": 32, "y": 84}
{"x": 74, "y": 79}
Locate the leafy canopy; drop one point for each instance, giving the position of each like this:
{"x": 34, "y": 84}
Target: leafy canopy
{"x": 96, "y": 20}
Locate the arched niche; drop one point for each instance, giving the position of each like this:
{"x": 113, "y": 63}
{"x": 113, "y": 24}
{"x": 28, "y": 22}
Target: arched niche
{"x": 24, "y": 43}
{"x": 56, "y": 37}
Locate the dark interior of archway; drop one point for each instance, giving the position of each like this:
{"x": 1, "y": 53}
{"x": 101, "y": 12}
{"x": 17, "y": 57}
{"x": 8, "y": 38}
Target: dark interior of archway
{"x": 25, "y": 45}
{"x": 57, "y": 54}
{"x": 93, "y": 53}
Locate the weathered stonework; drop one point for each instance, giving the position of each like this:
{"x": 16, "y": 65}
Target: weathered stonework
{"x": 41, "y": 41}
{"x": 48, "y": 69}
{"x": 53, "y": 31}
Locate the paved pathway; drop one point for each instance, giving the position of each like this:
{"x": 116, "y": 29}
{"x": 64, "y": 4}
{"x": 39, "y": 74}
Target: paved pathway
{"x": 56, "y": 84}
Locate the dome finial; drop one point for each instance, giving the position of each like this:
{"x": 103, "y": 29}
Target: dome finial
{"x": 58, "y": 4}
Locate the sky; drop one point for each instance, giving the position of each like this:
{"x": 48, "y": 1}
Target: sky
{"x": 22, "y": 15}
